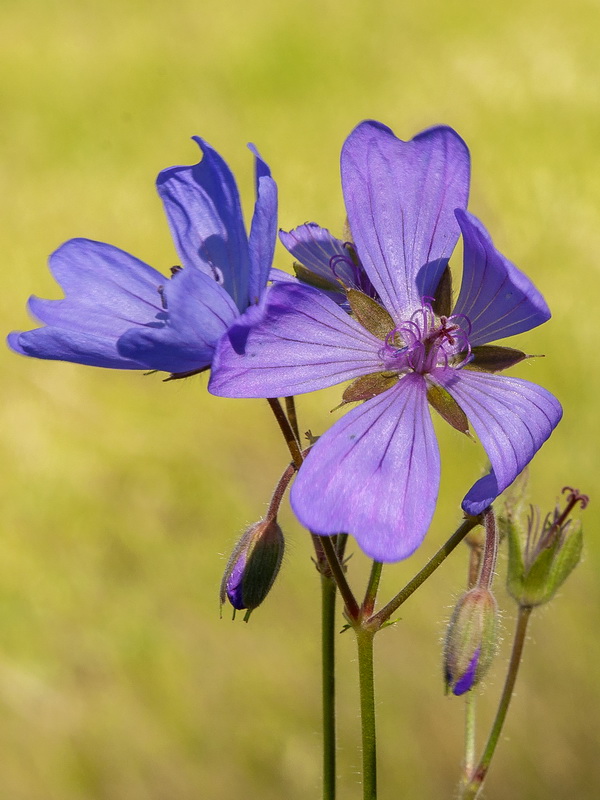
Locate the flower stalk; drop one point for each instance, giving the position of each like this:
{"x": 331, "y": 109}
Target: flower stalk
{"x": 474, "y": 785}
{"x": 382, "y": 616}
{"x": 364, "y": 640}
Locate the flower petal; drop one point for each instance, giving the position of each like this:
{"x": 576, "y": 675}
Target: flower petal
{"x": 375, "y": 474}
{"x": 400, "y": 197}
{"x": 198, "y": 312}
{"x": 314, "y": 247}
{"x": 202, "y": 204}
{"x": 498, "y": 299}
{"x": 66, "y": 345}
{"x": 302, "y": 342}
{"x": 263, "y": 231}
{"x": 512, "y": 418}
{"x": 107, "y": 291}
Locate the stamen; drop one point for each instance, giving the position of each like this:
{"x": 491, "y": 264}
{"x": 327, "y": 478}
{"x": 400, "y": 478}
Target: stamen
{"x": 464, "y": 318}
{"x": 163, "y": 299}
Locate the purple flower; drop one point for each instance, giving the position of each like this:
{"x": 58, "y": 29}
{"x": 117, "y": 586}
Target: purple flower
{"x": 375, "y": 473}
{"x": 324, "y": 262}
{"x": 119, "y": 312}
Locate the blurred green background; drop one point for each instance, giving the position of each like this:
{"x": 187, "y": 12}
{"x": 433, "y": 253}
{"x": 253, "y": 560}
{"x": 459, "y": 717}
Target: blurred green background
{"x": 121, "y": 496}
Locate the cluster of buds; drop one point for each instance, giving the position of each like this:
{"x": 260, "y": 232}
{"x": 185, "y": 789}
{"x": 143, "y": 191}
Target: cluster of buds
{"x": 543, "y": 555}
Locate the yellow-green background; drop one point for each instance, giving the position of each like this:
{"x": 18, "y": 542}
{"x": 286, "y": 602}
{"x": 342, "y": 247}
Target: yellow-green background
{"x": 120, "y": 496}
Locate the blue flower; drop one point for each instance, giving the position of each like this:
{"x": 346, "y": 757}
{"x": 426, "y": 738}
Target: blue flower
{"x": 375, "y": 473}
{"x": 119, "y": 312}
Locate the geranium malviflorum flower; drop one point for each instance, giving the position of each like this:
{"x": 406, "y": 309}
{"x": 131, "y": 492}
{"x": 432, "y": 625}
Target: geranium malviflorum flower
{"x": 119, "y": 312}
{"x": 375, "y": 473}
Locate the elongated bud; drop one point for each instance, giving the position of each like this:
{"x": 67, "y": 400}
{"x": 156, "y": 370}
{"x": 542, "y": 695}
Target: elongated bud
{"x": 543, "y": 556}
{"x": 253, "y": 566}
{"x": 471, "y": 640}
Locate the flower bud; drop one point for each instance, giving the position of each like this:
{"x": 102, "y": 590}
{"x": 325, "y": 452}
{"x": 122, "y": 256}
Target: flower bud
{"x": 470, "y": 640}
{"x": 253, "y": 566}
{"x": 541, "y": 558}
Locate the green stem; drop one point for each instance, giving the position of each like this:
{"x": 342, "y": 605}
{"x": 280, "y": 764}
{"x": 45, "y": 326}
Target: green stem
{"x": 328, "y": 597}
{"x": 364, "y": 640}
{"x": 478, "y": 776}
{"x": 322, "y": 544}
{"x": 290, "y": 409}
{"x": 377, "y": 620}
{"x": 470, "y": 717}
{"x": 337, "y": 571}
{"x": 371, "y": 593}
{"x": 286, "y": 430}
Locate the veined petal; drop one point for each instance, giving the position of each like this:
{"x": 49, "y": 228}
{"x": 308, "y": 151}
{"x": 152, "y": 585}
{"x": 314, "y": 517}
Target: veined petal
{"x": 400, "y": 197}
{"x": 302, "y": 342}
{"x": 202, "y": 204}
{"x": 107, "y": 292}
{"x": 315, "y": 247}
{"x": 198, "y": 312}
{"x": 95, "y": 272}
{"x": 263, "y": 231}
{"x": 78, "y": 347}
{"x": 374, "y": 474}
{"x": 512, "y": 418}
{"x": 498, "y": 299}
{"x": 279, "y": 276}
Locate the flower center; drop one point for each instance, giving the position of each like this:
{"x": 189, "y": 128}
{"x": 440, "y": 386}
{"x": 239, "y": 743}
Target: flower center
{"x": 425, "y": 341}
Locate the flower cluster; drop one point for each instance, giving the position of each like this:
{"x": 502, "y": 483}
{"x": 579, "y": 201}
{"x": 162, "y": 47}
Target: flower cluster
{"x": 375, "y": 309}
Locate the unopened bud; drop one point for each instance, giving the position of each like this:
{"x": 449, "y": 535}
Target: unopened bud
{"x": 470, "y": 640}
{"x": 253, "y": 566}
{"x": 542, "y": 557}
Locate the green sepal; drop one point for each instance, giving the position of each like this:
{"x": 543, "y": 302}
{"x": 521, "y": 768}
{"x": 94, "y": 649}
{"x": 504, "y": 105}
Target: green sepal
{"x": 368, "y": 386}
{"x": 552, "y": 567}
{"x": 370, "y": 314}
{"x": 494, "y": 358}
{"x": 442, "y": 302}
{"x": 312, "y": 279}
{"x": 448, "y": 408}
{"x": 536, "y": 583}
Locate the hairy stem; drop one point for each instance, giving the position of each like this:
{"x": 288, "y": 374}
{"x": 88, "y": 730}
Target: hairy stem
{"x": 364, "y": 640}
{"x": 290, "y": 409}
{"x": 473, "y": 787}
{"x": 371, "y": 593}
{"x": 328, "y": 597}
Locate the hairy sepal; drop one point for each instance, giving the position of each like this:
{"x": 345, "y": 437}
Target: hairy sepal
{"x": 368, "y": 386}
{"x": 494, "y": 358}
{"x": 370, "y": 314}
{"x": 448, "y": 408}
